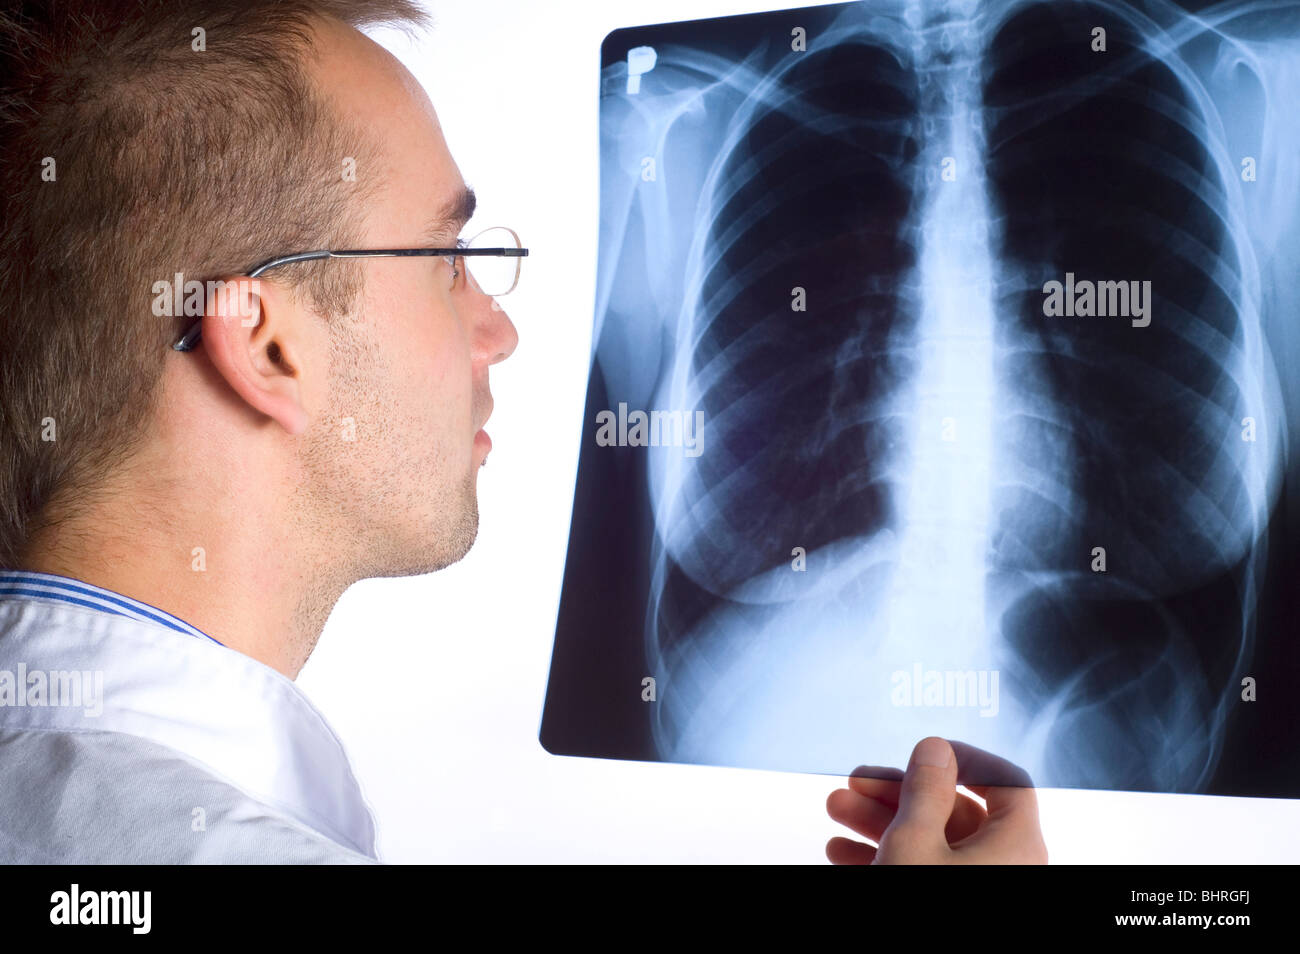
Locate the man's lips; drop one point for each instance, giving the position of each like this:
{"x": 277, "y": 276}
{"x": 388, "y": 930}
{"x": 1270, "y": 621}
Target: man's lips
{"x": 488, "y": 403}
{"x": 481, "y": 438}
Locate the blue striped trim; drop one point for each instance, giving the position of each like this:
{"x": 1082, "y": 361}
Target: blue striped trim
{"x": 63, "y": 589}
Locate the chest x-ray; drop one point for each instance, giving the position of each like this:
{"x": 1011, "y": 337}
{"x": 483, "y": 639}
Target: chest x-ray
{"x": 942, "y": 383}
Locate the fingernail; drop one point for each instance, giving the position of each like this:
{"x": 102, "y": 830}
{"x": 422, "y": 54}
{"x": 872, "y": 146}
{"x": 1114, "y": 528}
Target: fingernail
{"x": 933, "y": 752}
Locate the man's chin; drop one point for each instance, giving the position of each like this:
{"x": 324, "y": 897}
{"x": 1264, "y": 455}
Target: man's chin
{"x": 453, "y": 543}
{"x": 423, "y": 561}
{"x": 436, "y": 547}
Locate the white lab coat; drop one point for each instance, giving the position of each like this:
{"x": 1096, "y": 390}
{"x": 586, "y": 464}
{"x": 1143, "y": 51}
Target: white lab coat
{"x": 198, "y": 753}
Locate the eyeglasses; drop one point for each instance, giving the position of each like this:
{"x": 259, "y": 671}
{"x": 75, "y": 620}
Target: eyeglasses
{"x": 495, "y": 272}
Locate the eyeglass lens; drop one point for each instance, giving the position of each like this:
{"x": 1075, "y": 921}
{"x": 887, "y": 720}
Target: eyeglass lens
{"x": 494, "y": 274}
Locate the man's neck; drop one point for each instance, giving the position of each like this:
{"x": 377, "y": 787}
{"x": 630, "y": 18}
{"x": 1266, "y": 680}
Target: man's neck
{"x": 222, "y": 573}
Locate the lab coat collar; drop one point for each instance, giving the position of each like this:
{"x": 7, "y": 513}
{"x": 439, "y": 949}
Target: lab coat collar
{"x": 166, "y": 681}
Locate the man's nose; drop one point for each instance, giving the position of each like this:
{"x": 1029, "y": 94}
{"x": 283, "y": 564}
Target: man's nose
{"x": 498, "y": 335}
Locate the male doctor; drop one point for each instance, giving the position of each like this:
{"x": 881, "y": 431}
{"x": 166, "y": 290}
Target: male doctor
{"x": 189, "y": 479}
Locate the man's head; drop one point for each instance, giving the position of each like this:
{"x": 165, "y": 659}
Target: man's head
{"x": 203, "y": 139}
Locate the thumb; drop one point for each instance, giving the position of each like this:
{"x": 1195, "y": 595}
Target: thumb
{"x": 929, "y": 790}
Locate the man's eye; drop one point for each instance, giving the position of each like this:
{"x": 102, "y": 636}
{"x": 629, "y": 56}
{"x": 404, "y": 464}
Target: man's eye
{"x": 458, "y": 261}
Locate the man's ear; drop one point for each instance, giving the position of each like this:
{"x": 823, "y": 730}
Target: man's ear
{"x": 253, "y": 334}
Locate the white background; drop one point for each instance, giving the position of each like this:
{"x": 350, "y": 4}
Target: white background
{"x": 435, "y": 684}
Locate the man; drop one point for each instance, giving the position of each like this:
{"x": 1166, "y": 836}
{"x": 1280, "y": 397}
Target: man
{"x": 176, "y": 525}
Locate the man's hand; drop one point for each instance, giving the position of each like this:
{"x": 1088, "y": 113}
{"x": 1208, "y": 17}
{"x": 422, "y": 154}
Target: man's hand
{"x": 922, "y": 819}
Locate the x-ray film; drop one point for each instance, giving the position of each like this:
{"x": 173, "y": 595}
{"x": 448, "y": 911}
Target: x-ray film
{"x": 942, "y": 383}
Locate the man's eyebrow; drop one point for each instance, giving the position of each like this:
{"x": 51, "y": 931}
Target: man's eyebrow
{"x": 447, "y": 224}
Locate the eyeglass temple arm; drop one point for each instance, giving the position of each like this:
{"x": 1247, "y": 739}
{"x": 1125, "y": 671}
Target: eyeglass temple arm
{"x": 194, "y": 333}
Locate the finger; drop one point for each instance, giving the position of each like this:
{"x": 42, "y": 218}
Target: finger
{"x": 967, "y": 817}
{"x": 929, "y": 792}
{"x": 871, "y": 818}
{"x": 881, "y": 789}
{"x": 1003, "y": 801}
{"x": 863, "y": 814}
{"x": 1001, "y": 842}
{"x": 984, "y": 768}
{"x": 1011, "y": 835}
{"x": 846, "y": 851}
{"x": 879, "y": 772}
